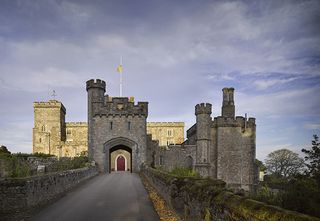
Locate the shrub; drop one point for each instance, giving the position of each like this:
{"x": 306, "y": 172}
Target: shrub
{"x": 67, "y": 163}
{"x": 268, "y": 195}
{"x": 26, "y": 155}
{"x": 15, "y": 166}
{"x": 184, "y": 172}
{"x": 303, "y": 195}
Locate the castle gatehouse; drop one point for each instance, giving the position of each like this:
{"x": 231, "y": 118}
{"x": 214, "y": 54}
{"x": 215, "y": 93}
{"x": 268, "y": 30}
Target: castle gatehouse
{"x": 115, "y": 124}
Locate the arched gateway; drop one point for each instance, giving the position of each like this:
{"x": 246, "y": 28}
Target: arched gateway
{"x": 116, "y": 126}
{"x": 122, "y": 148}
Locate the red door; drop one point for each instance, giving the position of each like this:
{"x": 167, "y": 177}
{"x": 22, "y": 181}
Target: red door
{"x": 120, "y": 163}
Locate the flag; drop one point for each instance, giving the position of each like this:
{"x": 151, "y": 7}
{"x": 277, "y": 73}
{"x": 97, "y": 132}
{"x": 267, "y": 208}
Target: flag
{"x": 120, "y": 69}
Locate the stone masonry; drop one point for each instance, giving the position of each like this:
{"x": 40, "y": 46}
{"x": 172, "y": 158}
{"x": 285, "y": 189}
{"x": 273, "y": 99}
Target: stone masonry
{"x": 52, "y": 135}
{"x": 222, "y": 148}
{"x": 19, "y": 198}
{"x": 113, "y": 124}
{"x": 166, "y": 132}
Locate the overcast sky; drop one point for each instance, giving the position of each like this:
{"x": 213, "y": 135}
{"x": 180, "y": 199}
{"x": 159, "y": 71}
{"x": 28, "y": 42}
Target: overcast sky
{"x": 176, "y": 53}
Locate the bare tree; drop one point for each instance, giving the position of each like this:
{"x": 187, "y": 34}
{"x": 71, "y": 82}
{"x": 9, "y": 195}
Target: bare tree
{"x": 284, "y": 163}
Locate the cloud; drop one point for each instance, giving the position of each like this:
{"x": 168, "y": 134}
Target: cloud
{"x": 175, "y": 55}
{"x": 31, "y": 81}
{"x": 264, "y": 84}
{"x": 283, "y": 103}
{"x": 16, "y": 136}
{"x": 312, "y": 126}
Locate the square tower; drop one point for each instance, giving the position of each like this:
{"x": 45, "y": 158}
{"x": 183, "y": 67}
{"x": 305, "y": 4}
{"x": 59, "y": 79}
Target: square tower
{"x": 115, "y": 124}
{"x": 49, "y": 127}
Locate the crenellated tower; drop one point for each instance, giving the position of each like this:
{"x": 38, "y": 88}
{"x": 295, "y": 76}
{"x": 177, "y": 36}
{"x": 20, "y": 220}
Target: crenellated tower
{"x": 95, "y": 90}
{"x": 115, "y": 123}
{"x": 234, "y": 145}
{"x": 203, "y": 118}
{"x": 49, "y": 127}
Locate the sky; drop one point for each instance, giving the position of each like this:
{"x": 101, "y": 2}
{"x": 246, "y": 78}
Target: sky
{"x": 176, "y": 54}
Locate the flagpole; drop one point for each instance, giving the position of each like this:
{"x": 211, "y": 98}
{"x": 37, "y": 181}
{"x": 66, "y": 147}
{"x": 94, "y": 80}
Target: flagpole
{"x": 121, "y": 77}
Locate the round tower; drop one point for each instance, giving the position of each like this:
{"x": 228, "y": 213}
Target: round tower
{"x": 96, "y": 89}
{"x": 203, "y": 120}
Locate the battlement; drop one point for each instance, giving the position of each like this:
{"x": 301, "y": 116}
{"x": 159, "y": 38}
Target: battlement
{"x": 49, "y": 104}
{"x": 221, "y": 121}
{"x": 252, "y": 120}
{"x": 230, "y": 122}
{"x": 203, "y": 108}
{"x": 96, "y": 84}
{"x": 165, "y": 124}
{"x": 76, "y": 124}
{"x": 122, "y": 106}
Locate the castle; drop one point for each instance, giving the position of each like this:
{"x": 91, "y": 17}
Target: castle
{"x": 52, "y": 135}
{"x": 117, "y": 137}
{"x": 222, "y": 148}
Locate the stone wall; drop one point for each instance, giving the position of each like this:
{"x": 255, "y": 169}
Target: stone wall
{"x": 207, "y": 199}
{"x": 20, "y": 197}
{"x": 175, "y": 156}
{"x": 106, "y": 138}
{"x": 77, "y": 140}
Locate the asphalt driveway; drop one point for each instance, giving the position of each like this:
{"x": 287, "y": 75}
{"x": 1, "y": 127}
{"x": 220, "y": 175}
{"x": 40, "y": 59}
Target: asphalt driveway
{"x": 111, "y": 197}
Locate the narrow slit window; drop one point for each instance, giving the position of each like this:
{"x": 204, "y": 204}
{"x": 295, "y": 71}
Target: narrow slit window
{"x": 129, "y": 125}
{"x": 111, "y": 125}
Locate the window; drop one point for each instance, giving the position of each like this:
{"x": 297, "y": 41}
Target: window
{"x": 129, "y": 125}
{"x": 69, "y": 132}
{"x": 43, "y": 128}
{"x": 170, "y": 133}
{"x": 40, "y": 140}
{"x": 111, "y": 125}
{"x": 161, "y": 160}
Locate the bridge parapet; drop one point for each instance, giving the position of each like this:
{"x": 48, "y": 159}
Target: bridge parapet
{"x": 204, "y": 198}
{"x": 20, "y": 197}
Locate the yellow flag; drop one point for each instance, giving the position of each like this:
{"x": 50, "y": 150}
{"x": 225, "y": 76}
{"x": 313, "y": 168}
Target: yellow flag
{"x": 120, "y": 69}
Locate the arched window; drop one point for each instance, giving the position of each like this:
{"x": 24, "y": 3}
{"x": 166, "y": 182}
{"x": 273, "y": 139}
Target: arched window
{"x": 43, "y": 128}
{"x": 189, "y": 162}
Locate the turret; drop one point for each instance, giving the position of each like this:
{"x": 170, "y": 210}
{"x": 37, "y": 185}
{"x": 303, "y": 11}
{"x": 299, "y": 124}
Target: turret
{"x": 228, "y": 108}
{"x": 96, "y": 90}
{"x": 203, "y": 118}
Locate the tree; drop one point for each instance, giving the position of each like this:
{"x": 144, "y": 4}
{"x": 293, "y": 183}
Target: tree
{"x": 4, "y": 149}
{"x": 313, "y": 158}
{"x": 284, "y": 163}
{"x": 260, "y": 165}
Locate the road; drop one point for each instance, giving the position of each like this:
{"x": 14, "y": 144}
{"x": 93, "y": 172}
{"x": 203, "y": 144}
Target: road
{"x": 119, "y": 196}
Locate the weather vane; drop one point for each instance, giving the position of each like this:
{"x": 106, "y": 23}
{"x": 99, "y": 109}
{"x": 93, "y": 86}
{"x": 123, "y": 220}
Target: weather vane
{"x": 54, "y": 94}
